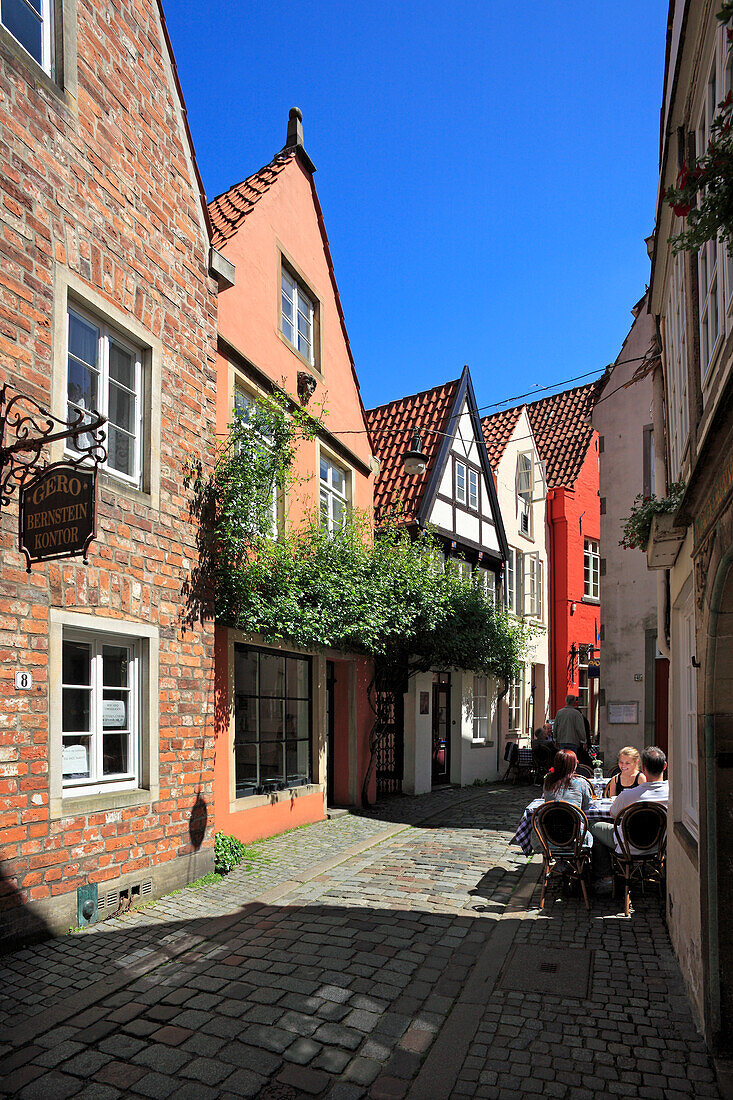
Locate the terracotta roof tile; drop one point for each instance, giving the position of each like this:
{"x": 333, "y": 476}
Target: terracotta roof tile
{"x": 228, "y": 210}
{"x": 391, "y": 428}
{"x": 497, "y": 431}
{"x": 563, "y": 432}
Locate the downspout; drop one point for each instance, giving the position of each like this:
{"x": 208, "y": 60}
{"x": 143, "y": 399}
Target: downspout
{"x": 660, "y": 478}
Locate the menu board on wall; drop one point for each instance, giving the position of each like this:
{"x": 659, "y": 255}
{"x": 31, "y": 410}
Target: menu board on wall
{"x": 623, "y": 714}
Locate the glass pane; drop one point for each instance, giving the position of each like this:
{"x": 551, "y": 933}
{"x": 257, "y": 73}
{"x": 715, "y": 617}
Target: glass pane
{"x": 245, "y": 670}
{"x": 288, "y": 286}
{"x": 288, "y": 330}
{"x": 245, "y": 758}
{"x": 272, "y": 674}
{"x": 24, "y": 25}
{"x": 296, "y": 718}
{"x": 121, "y": 365}
{"x": 287, "y": 307}
{"x": 304, "y": 347}
{"x": 122, "y": 408}
{"x": 75, "y": 757}
{"x": 245, "y": 718}
{"x": 77, "y": 663}
{"x": 271, "y": 719}
{"x": 338, "y": 480}
{"x": 76, "y": 710}
{"x": 297, "y": 755}
{"x": 304, "y": 304}
{"x": 115, "y": 666}
{"x": 115, "y": 753}
{"x": 339, "y": 513}
{"x": 81, "y": 384}
{"x": 272, "y": 772}
{"x": 121, "y": 451}
{"x": 83, "y": 337}
{"x": 115, "y": 710}
{"x": 304, "y": 326}
{"x": 297, "y": 678}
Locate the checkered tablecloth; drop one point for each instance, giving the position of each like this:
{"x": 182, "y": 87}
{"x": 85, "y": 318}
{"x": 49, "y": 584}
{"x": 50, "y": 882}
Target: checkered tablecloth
{"x": 599, "y": 810}
{"x": 525, "y": 758}
{"x": 599, "y": 786}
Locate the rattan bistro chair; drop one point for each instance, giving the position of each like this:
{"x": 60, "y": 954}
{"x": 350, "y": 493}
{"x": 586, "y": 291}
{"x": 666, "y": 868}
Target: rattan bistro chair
{"x": 560, "y": 828}
{"x": 585, "y": 771}
{"x": 542, "y": 757}
{"x": 640, "y": 831}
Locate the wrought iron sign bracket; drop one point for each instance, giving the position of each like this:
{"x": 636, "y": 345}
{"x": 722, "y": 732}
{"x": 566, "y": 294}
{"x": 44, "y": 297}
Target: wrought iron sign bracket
{"x": 32, "y": 428}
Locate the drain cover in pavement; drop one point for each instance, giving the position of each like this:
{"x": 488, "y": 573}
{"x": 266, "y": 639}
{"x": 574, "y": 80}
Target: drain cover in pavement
{"x": 529, "y": 970}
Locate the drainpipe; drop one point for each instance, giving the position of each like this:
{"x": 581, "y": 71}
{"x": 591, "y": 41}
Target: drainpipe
{"x": 660, "y": 478}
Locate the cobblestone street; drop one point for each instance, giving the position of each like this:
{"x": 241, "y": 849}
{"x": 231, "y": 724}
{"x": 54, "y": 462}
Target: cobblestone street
{"x": 393, "y": 955}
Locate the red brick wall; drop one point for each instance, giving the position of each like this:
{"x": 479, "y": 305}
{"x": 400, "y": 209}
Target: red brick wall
{"x": 106, "y": 192}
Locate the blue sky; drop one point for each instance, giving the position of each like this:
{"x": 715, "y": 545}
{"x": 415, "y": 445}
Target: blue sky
{"x": 487, "y": 170}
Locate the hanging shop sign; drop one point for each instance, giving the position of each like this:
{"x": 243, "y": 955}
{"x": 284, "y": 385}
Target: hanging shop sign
{"x": 58, "y": 513}
{"x": 57, "y": 502}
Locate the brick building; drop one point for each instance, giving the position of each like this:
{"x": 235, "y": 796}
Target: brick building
{"x": 106, "y": 302}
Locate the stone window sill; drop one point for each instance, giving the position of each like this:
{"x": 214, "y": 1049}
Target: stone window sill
{"x": 98, "y": 803}
{"x": 253, "y": 801}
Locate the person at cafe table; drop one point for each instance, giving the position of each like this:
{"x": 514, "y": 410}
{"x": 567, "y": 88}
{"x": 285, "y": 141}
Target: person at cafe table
{"x": 563, "y": 785}
{"x": 656, "y": 789}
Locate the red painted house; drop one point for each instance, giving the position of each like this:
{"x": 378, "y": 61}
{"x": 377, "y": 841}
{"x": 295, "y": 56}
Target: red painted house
{"x": 568, "y": 446}
{"x": 291, "y": 726}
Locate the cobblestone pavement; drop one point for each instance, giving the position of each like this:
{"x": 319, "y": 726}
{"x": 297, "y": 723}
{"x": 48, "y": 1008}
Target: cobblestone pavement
{"x": 383, "y": 957}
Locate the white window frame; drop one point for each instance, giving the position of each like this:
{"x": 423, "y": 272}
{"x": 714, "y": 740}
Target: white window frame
{"x": 525, "y": 476}
{"x": 242, "y": 399}
{"x": 45, "y": 18}
{"x": 686, "y": 767}
{"x": 511, "y": 580}
{"x": 485, "y": 581}
{"x": 481, "y": 713}
{"x": 107, "y": 335}
{"x": 592, "y": 569}
{"x": 464, "y": 569}
{"x": 711, "y": 262}
{"x": 303, "y": 306}
{"x": 515, "y": 709}
{"x": 532, "y": 585}
{"x": 675, "y": 333}
{"x": 330, "y": 495}
{"x": 461, "y": 481}
{"x": 96, "y": 783}
{"x": 473, "y": 490}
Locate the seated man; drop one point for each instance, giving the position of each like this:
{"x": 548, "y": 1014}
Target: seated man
{"x": 656, "y": 789}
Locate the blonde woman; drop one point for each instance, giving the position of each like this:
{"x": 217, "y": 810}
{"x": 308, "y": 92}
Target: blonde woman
{"x": 630, "y": 775}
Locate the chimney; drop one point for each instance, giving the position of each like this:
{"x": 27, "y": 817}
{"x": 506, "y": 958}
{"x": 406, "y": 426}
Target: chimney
{"x": 294, "y": 139}
{"x": 295, "y": 128}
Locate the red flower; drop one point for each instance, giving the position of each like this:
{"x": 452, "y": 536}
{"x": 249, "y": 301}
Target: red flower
{"x": 729, "y": 34}
{"x": 682, "y": 175}
{"x": 682, "y": 209}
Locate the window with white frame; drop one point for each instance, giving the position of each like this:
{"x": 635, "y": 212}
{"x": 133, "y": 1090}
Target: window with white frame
{"x": 485, "y": 581}
{"x": 334, "y": 495}
{"x": 104, "y": 374}
{"x": 29, "y": 22}
{"x": 462, "y": 568}
{"x": 297, "y": 316}
{"x": 709, "y": 266}
{"x": 532, "y": 585}
{"x": 511, "y": 585}
{"x": 243, "y": 403}
{"x": 686, "y": 767}
{"x": 481, "y": 708}
{"x": 472, "y": 489}
{"x": 592, "y": 570}
{"x": 675, "y": 334}
{"x": 514, "y": 704}
{"x": 461, "y": 483}
{"x": 100, "y": 713}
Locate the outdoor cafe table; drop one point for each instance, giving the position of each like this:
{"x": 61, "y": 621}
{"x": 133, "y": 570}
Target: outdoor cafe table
{"x": 599, "y": 810}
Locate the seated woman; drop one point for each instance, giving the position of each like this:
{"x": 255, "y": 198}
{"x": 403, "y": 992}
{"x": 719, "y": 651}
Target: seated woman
{"x": 630, "y": 775}
{"x": 563, "y": 785}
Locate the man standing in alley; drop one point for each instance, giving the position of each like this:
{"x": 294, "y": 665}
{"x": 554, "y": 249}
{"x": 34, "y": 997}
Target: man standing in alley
{"x": 569, "y": 727}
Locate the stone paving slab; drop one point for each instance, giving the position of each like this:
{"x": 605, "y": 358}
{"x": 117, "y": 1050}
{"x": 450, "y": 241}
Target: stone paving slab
{"x": 377, "y": 977}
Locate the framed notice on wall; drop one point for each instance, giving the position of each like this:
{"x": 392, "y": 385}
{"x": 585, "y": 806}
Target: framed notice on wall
{"x": 623, "y": 714}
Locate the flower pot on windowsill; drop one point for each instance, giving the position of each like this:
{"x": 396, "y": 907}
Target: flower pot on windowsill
{"x": 664, "y": 541}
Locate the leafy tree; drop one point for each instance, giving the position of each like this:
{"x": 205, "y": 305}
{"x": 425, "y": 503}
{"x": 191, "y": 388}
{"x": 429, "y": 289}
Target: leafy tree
{"x": 385, "y": 596}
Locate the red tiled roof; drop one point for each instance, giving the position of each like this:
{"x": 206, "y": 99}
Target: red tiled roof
{"x": 562, "y": 430}
{"x": 391, "y": 428}
{"x": 497, "y": 431}
{"x": 228, "y": 210}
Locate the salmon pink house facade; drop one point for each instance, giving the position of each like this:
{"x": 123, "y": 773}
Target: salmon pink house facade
{"x": 291, "y": 726}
